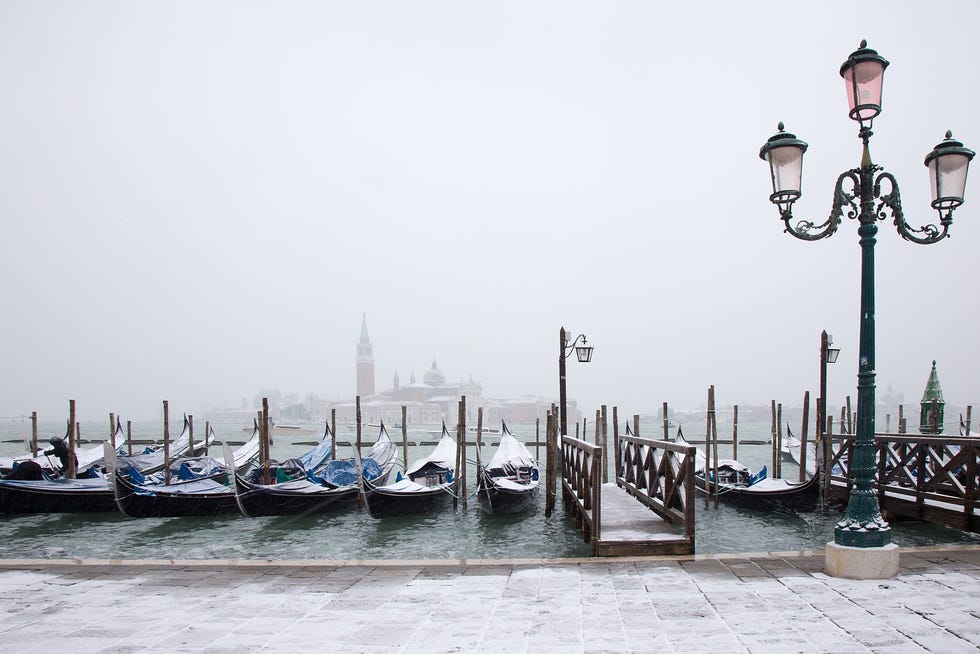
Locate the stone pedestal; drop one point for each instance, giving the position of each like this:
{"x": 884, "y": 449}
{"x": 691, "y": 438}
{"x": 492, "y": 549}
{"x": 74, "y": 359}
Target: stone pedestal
{"x": 861, "y": 562}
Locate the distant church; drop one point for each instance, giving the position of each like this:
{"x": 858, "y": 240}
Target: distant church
{"x": 434, "y": 399}
{"x": 428, "y": 402}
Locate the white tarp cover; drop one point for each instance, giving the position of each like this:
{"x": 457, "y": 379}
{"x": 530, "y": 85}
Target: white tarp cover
{"x": 513, "y": 452}
{"x": 443, "y": 456}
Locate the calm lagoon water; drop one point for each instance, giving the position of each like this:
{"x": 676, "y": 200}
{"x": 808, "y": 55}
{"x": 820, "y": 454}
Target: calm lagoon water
{"x": 449, "y": 535}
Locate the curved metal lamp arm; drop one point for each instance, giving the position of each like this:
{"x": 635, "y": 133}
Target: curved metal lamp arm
{"x": 892, "y": 201}
{"x": 570, "y": 347}
{"x": 807, "y": 231}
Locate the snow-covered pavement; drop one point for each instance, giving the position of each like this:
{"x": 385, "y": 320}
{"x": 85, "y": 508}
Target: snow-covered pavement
{"x": 767, "y": 603}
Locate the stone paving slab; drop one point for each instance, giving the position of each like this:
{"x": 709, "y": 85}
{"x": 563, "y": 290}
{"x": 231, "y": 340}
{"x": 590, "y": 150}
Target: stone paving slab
{"x": 753, "y": 603}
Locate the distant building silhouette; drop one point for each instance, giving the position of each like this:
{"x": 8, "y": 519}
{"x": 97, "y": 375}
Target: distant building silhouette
{"x": 365, "y": 362}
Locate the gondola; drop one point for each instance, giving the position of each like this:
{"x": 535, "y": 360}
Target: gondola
{"x": 92, "y": 495}
{"x": 88, "y": 492}
{"x": 200, "y": 486}
{"x": 426, "y": 487}
{"x": 739, "y": 487}
{"x": 187, "y": 498}
{"x": 154, "y": 459}
{"x": 331, "y": 487}
{"x": 509, "y": 483}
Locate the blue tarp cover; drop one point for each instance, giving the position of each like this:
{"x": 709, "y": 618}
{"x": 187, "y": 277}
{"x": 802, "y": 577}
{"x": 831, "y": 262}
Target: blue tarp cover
{"x": 343, "y": 472}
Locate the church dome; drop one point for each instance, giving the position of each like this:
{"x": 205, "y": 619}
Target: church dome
{"x": 433, "y": 377}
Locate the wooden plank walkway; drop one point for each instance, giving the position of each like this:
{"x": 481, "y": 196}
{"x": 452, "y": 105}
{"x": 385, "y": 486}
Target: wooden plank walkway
{"x": 630, "y": 528}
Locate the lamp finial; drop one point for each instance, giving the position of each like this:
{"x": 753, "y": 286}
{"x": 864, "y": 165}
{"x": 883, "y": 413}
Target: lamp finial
{"x": 864, "y": 43}
{"x": 780, "y": 126}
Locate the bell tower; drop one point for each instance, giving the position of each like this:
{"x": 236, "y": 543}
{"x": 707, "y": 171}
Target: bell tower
{"x": 365, "y": 362}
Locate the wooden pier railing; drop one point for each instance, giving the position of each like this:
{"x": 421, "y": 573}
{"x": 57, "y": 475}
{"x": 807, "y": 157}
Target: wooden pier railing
{"x": 581, "y": 481}
{"x": 931, "y": 478}
{"x": 660, "y": 474}
{"x": 650, "y": 508}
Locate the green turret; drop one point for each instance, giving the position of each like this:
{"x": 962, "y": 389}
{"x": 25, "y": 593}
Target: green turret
{"x": 933, "y": 393}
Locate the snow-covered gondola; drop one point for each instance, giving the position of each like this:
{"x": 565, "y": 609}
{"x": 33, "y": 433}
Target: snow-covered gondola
{"x": 509, "y": 483}
{"x": 738, "y": 486}
{"x": 331, "y": 487}
{"x": 426, "y": 487}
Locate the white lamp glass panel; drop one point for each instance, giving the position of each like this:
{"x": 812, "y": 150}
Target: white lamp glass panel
{"x": 865, "y": 79}
{"x": 947, "y": 177}
{"x": 787, "y": 168}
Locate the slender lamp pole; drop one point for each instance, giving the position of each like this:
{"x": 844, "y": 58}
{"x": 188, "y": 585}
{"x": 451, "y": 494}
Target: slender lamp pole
{"x": 584, "y": 354}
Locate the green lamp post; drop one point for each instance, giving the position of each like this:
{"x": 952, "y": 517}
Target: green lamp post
{"x": 868, "y": 194}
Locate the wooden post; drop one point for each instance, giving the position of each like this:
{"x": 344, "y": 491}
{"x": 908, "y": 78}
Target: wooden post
{"x": 129, "y": 437}
{"x": 707, "y": 454}
{"x": 462, "y": 453}
{"x": 585, "y": 429}
{"x": 358, "y": 419}
{"x": 666, "y": 423}
{"x": 617, "y": 446}
{"x": 190, "y": 435}
{"x": 264, "y": 437}
{"x": 551, "y": 455}
{"x": 828, "y": 437}
{"x": 772, "y": 431}
{"x": 735, "y": 434}
{"x": 70, "y": 471}
{"x": 576, "y": 430}
{"x": 207, "y": 436}
{"x": 714, "y": 438}
{"x": 479, "y": 446}
{"x": 636, "y": 425}
{"x": 405, "y": 435}
{"x": 460, "y": 435}
{"x": 888, "y": 423}
{"x": 779, "y": 437}
{"x": 605, "y": 445}
{"x": 112, "y": 429}
{"x": 166, "y": 443}
{"x": 34, "y": 450}
{"x": 333, "y": 435}
{"x": 598, "y": 435}
{"x": 901, "y": 418}
{"x": 850, "y": 424}
{"x": 969, "y": 414}
{"x": 803, "y": 434}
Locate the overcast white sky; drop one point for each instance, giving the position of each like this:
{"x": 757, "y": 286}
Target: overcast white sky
{"x": 199, "y": 200}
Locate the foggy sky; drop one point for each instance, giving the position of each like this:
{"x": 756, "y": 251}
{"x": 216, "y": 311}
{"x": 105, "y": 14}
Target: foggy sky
{"x": 200, "y": 199}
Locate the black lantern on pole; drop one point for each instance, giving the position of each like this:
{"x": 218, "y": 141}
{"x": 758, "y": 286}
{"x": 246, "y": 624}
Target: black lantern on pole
{"x": 583, "y": 353}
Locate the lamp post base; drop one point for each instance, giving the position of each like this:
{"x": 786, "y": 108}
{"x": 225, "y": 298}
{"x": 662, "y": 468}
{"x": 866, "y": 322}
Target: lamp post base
{"x": 861, "y": 562}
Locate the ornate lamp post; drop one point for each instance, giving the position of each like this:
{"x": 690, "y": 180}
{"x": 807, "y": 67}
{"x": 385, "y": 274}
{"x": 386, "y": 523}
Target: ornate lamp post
{"x": 584, "y": 354}
{"x": 869, "y": 194}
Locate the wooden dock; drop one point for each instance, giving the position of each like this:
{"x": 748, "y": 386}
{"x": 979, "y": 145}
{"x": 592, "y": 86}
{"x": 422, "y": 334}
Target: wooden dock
{"x": 629, "y": 528}
{"x": 648, "y": 511}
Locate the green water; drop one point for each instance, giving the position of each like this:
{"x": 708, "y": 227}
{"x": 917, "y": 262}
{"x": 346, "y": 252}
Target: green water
{"x": 448, "y": 535}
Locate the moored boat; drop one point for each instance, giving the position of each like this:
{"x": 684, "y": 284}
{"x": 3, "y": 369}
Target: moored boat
{"x": 425, "y": 488}
{"x": 738, "y": 486}
{"x": 509, "y": 483}
{"x": 333, "y": 486}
